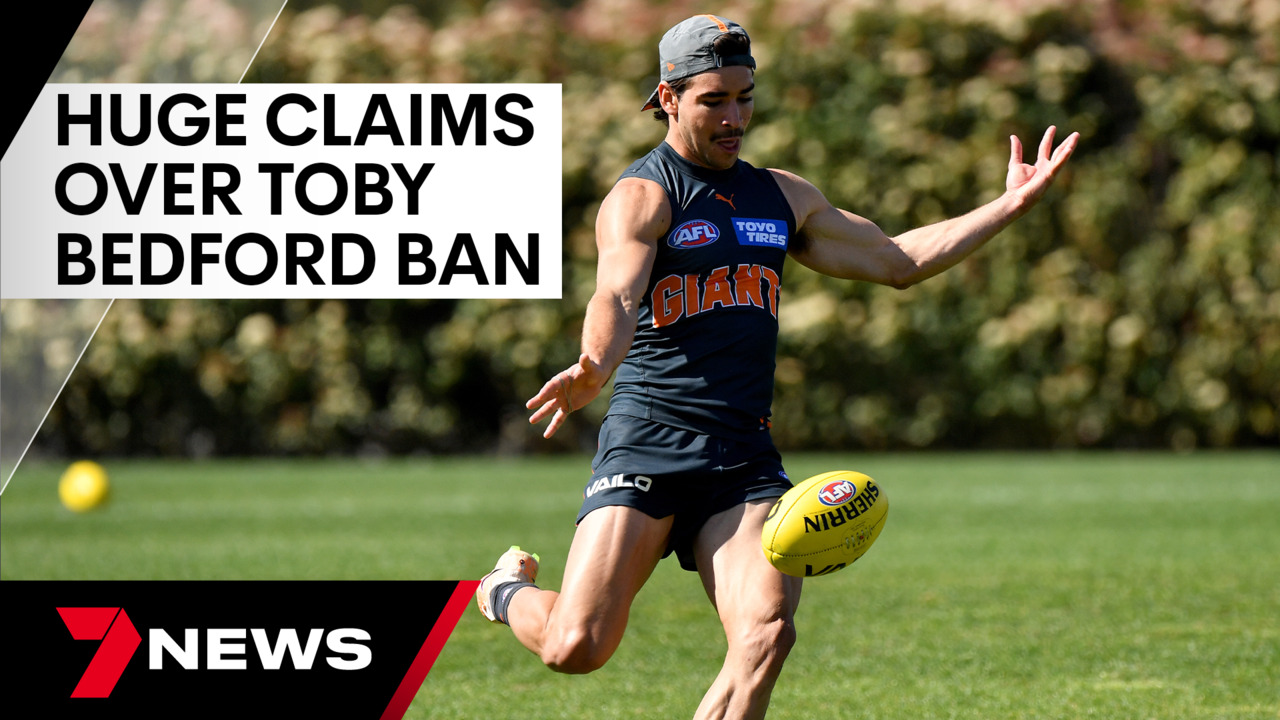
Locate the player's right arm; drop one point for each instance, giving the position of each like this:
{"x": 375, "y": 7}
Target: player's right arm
{"x": 632, "y": 218}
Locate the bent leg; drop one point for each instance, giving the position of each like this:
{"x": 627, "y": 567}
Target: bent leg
{"x": 756, "y": 604}
{"x": 576, "y": 630}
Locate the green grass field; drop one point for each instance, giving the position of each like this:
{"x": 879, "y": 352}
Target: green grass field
{"x": 1003, "y": 586}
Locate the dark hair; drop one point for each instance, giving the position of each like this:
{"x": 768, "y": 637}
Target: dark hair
{"x": 726, "y": 45}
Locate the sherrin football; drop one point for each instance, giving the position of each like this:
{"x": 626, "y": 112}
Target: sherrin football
{"x": 824, "y": 523}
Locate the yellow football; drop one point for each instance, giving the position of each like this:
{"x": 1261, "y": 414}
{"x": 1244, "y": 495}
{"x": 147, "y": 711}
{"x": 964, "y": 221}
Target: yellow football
{"x": 84, "y": 486}
{"x": 824, "y": 524}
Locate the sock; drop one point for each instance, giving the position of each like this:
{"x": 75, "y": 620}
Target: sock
{"x": 500, "y": 598}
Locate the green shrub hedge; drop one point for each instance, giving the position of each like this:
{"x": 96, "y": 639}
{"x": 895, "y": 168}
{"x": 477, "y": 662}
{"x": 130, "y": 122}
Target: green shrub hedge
{"x": 1137, "y": 306}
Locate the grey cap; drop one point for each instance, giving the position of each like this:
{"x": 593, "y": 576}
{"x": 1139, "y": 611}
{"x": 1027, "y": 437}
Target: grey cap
{"x": 687, "y": 49}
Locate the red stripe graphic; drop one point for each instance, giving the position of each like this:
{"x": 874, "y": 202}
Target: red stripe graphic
{"x": 430, "y": 650}
{"x": 120, "y": 639}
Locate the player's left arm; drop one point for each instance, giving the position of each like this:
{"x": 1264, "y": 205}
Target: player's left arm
{"x": 632, "y": 216}
{"x": 839, "y": 243}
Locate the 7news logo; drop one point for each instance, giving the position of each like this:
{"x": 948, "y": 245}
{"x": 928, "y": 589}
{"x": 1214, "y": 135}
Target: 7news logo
{"x": 139, "y": 650}
{"x": 225, "y": 648}
{"x": 120, "y": 639}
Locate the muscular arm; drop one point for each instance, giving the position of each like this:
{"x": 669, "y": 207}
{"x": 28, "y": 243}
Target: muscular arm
{"x": 837, "y": 242}
{"x": 631, "y": 219}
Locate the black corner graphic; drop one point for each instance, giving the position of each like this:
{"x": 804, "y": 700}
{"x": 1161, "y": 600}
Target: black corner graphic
{"x": 29, "y": 64}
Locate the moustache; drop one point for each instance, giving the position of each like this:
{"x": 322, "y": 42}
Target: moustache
{"x": 728, "y": 134}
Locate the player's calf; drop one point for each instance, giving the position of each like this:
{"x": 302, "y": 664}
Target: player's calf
{"x": 760, "y": 650}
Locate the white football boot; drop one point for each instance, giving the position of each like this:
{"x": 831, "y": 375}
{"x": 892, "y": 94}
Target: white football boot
{"x": 515, "y": 566}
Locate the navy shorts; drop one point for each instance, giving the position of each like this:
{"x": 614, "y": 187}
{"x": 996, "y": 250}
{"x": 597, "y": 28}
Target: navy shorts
{"x": 664, "y": 471}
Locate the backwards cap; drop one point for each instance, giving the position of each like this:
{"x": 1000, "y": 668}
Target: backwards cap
{"x": 687, "y": 49}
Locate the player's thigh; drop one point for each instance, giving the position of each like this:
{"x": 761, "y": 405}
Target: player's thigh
{"x": 746, "y": 590}
{"x": 614, "y": 550}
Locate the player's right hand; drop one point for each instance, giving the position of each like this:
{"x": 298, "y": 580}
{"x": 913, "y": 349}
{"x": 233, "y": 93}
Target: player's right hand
{"x": 571, "y": 389}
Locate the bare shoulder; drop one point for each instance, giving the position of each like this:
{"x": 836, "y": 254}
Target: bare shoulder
{"x": 805, "y": 198}
{"x": 791, "y": 182}
{"x": 636, "y": 208}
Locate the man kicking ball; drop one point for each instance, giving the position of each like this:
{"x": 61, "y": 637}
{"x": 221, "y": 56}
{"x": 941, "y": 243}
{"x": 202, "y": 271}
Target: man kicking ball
{"x": 691, "y": 245}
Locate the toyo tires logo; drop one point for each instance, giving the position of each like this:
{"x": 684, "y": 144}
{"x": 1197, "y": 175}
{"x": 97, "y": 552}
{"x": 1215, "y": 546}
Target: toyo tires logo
{"x": 836, "y": 493}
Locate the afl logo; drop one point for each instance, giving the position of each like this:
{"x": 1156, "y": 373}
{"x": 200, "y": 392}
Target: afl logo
{"x": 836, "y": 493}
{"x": 692, "y": 234}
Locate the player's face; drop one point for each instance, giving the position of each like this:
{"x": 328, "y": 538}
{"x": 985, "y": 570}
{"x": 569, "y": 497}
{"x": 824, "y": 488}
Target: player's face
{"x": 711, "y": 116}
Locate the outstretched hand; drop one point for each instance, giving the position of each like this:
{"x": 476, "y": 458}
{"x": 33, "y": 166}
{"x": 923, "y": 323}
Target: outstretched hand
{"x": 1029, "y": 182}
{"x": 571, "y": 389}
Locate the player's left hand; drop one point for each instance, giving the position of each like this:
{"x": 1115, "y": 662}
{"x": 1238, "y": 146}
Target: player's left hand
{"x": 1029, "y": 182}
{"x": 569, "y": 390}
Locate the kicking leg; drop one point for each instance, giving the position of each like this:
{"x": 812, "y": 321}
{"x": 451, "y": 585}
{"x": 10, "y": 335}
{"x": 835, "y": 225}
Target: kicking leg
{"x": 576, "y": 630}
{"x": 756, "y": 605}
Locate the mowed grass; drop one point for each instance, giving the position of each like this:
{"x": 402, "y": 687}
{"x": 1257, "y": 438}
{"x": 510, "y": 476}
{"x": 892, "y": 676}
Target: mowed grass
{"x": 1003, "y": 586}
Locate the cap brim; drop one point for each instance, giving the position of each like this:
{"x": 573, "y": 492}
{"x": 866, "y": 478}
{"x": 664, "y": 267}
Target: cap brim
{"x": 653, "y": 103}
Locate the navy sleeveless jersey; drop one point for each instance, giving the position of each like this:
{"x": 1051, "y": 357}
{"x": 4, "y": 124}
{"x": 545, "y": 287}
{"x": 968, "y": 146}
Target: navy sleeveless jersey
{"x": 707, "y": 335}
